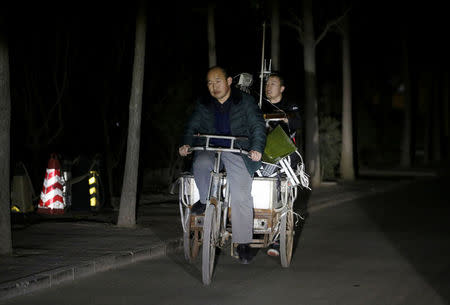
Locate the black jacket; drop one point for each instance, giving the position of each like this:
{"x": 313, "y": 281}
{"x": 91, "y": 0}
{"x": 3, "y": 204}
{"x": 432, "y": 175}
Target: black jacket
{"x": 292, "y": 112}
{"x": 245, "y": 120}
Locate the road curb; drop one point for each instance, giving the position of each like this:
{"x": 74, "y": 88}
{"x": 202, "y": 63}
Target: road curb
{"x": 65, "y": 274}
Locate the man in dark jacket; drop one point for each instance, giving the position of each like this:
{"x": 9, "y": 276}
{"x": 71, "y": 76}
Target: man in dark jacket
{"x": 228, "y": 111}
{"x": 277, "y": 110}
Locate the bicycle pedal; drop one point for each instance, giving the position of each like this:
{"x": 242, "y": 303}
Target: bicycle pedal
{"x": 199, "y": 221}
{"x": 213, "y": 201}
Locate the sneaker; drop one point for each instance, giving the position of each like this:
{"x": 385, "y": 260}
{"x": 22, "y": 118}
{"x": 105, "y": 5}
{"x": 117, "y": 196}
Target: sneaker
{"x": 274, "y": 249}
{"x": 273, "y": 252}
{"x": 198, "y": 208}
{"x": 245, "y": 255}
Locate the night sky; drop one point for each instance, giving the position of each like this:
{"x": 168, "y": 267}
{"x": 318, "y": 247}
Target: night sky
{"x": 92, "y": 46}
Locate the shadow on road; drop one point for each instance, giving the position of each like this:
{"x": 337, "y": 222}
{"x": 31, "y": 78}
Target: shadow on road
{"x": 414, "y": 218}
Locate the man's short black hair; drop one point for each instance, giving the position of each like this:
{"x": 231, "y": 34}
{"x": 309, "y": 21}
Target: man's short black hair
{"x": 224, "y": 71}
{"x": 277, "y": 75}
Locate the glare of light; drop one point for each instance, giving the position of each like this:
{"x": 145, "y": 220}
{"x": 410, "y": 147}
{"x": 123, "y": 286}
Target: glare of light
{"x": 92, "y": 180}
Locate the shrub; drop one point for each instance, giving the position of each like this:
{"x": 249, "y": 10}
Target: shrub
{"x": 330, "y": 146}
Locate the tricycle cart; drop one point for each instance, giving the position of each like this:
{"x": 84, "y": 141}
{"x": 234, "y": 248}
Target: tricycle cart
{"x": 274, "y": 192}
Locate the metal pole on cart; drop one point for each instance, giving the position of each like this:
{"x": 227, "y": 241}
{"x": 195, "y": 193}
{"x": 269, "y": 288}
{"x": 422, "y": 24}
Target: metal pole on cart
{"x": 262, "y": 66}
{"x": 264, "y": 69}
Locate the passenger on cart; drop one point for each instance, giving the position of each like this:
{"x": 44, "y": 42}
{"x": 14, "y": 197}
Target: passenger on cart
{"x": 277, "y": 111}
{"x": 228, "y": 111}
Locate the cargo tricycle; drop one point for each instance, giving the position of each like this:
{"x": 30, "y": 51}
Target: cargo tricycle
{"x": 274, "y": 191}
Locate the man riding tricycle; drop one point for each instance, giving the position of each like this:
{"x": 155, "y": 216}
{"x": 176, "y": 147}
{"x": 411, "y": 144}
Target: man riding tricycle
{"x": 240, "y": 188}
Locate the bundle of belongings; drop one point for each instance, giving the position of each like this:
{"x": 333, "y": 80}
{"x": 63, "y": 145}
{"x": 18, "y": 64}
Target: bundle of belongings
{"x": 281, "y": 157}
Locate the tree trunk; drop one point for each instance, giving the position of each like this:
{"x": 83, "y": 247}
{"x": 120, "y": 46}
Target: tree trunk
{"x": 275, "y": 31}
{"x": 445, "y": 101}
{"x": 424, "y": 101}
{"x": 406, "y": 156}
{"x": 346, "y": 166}
{"x": 211, "y": 36}
{"x": 127, "y": 211}
{"x": 312, "y": 153}
{"x": 436, "y": 119}
{"x": 5, "y": 131}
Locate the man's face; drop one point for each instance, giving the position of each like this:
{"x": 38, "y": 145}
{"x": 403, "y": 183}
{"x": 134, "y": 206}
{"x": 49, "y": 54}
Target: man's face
{"x": 218, "y": 85}
{"x": 274, "y": 88}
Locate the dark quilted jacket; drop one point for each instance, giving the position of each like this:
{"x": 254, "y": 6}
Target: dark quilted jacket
{"x": 245, "y": 119}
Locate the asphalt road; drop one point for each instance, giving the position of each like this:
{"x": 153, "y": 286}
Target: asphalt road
{"x": 391, "y": 248}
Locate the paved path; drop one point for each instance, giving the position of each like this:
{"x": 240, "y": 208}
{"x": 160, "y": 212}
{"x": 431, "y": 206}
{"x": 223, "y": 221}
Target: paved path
{"x": 52, "y": 250}
{"x": 371, "y": 251}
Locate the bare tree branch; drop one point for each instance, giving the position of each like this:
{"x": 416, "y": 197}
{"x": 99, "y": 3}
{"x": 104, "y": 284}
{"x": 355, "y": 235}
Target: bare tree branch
{"x": 330, "y": 25}
{"x": 296, "y": 25}
{"x": 60, "y": 90}
{"x": 339, "y": 27}
{"x": 60, "y": 127}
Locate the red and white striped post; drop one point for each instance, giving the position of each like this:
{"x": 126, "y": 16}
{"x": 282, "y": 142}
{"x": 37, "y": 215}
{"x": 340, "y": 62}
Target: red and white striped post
{"x": 52, "y": 200}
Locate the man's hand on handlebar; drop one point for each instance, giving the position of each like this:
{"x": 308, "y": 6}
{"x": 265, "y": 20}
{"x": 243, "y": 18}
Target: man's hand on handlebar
{"x": 254, "y": 155}
{"x": 184, "y": 150}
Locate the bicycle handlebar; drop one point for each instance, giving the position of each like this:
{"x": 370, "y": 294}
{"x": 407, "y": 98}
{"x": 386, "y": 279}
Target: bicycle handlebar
{"x": 207, "y": 146}
{"x": 221, "y": 149}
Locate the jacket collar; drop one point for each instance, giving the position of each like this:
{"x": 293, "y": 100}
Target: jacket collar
{"x": 236, "y": 97}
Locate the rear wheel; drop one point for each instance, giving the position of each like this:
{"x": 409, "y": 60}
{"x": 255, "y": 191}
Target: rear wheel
{"x": 191, "y": 238}
{"x": 187, "y": 234}
{"x": 286, "y": 238}
{"x": 210, "y": 230}
{"x": 196, "y": 242}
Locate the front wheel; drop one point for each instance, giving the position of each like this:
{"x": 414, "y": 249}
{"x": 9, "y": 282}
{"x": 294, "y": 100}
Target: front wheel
{"x": 286, "y": 238}
{"x": 210, "y": 230}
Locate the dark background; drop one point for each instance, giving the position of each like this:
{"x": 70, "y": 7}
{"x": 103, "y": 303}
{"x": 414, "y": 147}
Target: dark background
{"x": 91, "y": 45}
